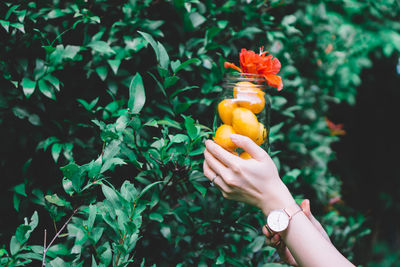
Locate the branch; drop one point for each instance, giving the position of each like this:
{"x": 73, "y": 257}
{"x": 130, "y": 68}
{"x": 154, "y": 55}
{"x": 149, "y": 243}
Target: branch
{"x": 55, "y": 237}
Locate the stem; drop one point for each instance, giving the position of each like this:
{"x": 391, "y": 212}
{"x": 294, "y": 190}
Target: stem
{"x": 55, "y": 237}
{"x": 126, "y": 232}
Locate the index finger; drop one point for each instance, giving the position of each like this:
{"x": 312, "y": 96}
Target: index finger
{"x": 227, "y": 158}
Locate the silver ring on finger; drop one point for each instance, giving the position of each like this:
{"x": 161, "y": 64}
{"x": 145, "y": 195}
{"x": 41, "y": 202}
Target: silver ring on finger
{"x": 212, "y": 180}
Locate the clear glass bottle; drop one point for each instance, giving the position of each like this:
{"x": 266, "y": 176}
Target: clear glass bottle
{"x": 244, "y": 108}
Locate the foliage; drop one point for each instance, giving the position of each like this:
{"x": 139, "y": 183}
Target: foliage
{"x": 119, "y": 96}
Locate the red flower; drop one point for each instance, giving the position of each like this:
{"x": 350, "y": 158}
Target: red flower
{"x": 336, "y": 129}
{"x": 267, "y": 66}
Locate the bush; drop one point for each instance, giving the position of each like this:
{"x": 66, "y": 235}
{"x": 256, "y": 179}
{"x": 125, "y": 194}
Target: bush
{"x": 114, "y": 99}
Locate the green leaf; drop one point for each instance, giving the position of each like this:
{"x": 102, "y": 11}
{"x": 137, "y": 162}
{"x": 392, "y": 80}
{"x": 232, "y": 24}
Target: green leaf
{"x": 111, "y": 196}
{"x": 156, "y": 217}
{"x": 147, "y": 188}
{"x": 164, "y": 58}
{"x": 14, "y": 246}
{"x": 153, "y": 43}
{"x": 28, "y": 87}
{"x": 137, "y": 96}
{"x": 5, "y": 24}
{"x": 73, "y": 173}
{"x": 291, "y": 176}
{"x": 20, "y": 189}
{"x": 179, "y": 138}
{"x": 56, "y": 150}
{"x": 101, "y": 47}
{"x": 196, "y": 19}
{"x": 56, "y": 200}
{"x": 200, "y": 188}
{"x": 169, "y": 81}
{"x": 102, "y": 71}
{"x": 191, "y": 129}
{"x": 186, "y": 64}
{"x": 175, "y": 65}
{"x": 182, "y": 90}
{"x": 92, "y": 216}
{"x": 114, "y": 64}
{"x": 46, "y": 89}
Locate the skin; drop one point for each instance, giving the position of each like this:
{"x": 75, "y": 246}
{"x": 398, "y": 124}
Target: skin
{"x": 256, "y": 182}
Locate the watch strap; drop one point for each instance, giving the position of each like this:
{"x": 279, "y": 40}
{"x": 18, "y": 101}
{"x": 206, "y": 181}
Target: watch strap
{"x": 292, "y": 210}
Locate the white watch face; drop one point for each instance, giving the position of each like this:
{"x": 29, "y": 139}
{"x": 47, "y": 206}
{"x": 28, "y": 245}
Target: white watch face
{"x": 278, "y": 220}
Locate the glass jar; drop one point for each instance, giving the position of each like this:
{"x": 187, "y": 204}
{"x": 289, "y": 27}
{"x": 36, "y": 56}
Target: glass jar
{"x": 243, "y": 107}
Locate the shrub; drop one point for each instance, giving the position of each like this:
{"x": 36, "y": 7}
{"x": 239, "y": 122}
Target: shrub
{"x": 119, "y": 95}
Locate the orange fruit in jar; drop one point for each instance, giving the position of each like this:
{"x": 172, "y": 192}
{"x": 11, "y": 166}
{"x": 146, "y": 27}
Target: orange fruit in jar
{"x": 245, "y": 155}
{"x": 225, "y": 109}
{"x": 223, "y": 137}
{"x": 262, "y": 134}
{"x": 244, "y": 122}
{"x": 250, "y": 96}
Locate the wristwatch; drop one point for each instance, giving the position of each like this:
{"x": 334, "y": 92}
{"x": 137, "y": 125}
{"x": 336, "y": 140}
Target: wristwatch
{"x": 278, "y": 220}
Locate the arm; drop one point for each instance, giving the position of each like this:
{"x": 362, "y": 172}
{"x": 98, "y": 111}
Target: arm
{"x": 256, "y": 182}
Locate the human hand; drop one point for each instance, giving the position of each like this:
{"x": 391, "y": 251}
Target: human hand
{"x": 275, "y": 240}
{"x": 253, "y": 181}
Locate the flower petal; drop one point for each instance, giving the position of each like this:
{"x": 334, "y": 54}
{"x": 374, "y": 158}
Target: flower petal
{"x": 231, "y": 65}
{"x": 274, "y": 81}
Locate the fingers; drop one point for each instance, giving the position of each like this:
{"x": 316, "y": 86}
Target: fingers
{"x": 227, "y": 158}
{"x": 249, "y": 146}
{"x": 273, "y": 240}
{"x": 210, "y": 173}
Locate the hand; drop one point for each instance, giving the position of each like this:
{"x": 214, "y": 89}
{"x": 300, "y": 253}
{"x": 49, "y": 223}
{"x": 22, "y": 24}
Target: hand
{"x": 276, "y": 241}
{"x": 253, "y": 181}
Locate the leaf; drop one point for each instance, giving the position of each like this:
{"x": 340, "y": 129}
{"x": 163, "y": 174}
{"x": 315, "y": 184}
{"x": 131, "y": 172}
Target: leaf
{"x": 92, "y": 216}
{"x": 101, "y": 47}
{"x": 182, "y": 90}
{"x": 20, "y": 189}
{"x": 291, "y": 176}
{"x": 14, "y": 246}
{"x": 147, "y": 188}
{"x": 156, "y": 217}
{"x": 164, "y": 58}
{"x": 102, "y": 71}
{"x": 199, "y": 187}
{"x": 5, "y": 24}
{"x": 114, "y": 64}
{"x": 111, "y": 196}
{"x": 169, "y": 81}
{"x": 179, "y": 138}
{"x": 186, "y": 64}
{"x": 137, "y": 96}
{"x": 111, "y": 163}
{"x": 153, "y": 43}
{"x": 175, "y": 65}
{"x": 196, "y": 19}
{"x": 55, "y": 151}
{"x": 56, "y": 200}
{"x": 28, "y": 87}
{"x": 46, "y": 89}
{"x": 73, "y": 173}
{"x": 191, "y": 129}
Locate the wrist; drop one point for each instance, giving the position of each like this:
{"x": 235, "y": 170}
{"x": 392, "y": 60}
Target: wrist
{"x": 278, "y": 198}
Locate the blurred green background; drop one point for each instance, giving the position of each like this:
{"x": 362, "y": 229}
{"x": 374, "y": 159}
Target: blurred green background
{"x": 104, "y": 107}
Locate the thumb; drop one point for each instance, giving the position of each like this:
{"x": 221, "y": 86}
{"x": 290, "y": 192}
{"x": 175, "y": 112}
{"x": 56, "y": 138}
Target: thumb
{"x": 305, "y": 206}
{"x": 249, "y": 146}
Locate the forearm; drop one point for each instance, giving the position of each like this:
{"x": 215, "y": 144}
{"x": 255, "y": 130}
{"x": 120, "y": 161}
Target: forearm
{"x": 309, "y": 247}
